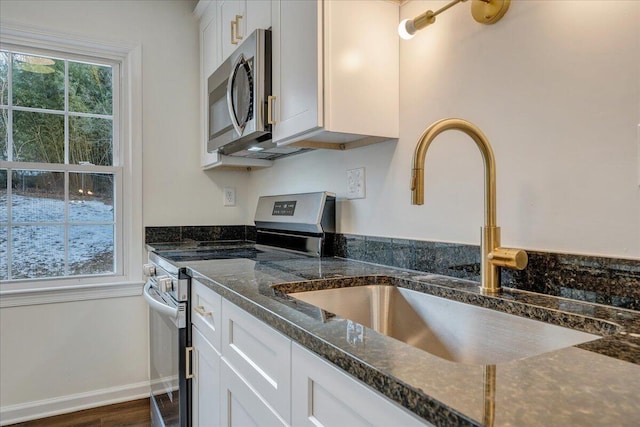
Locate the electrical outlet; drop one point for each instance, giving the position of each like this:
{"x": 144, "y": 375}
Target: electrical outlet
{"x": 228, "y": 196}
{"x": 355, "y": 184}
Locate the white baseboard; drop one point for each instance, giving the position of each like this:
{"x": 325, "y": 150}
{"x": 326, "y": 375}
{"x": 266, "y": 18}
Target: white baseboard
{"x": 11, "y": 414}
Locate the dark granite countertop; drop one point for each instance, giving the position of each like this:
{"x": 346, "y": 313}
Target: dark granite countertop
{"x": 597, "y": 383}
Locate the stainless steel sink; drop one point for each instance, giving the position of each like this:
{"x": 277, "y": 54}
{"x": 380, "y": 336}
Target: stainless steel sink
{"x": 448, "y": 329}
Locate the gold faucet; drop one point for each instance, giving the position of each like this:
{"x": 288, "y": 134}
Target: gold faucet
{"x": 493, "y": 256}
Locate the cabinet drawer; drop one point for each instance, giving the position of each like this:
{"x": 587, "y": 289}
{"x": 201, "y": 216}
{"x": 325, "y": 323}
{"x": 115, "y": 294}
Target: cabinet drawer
{"x": 241, "y": 406}
{"x": 206, "y": 308}
{"x": 323, "y": 395}
{"x": 260, "y": 355}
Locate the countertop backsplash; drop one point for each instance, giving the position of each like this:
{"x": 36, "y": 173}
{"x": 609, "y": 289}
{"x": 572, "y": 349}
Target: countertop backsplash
{"x": 199, "y": 233}
{"x": 602, "y": 280}
{"x": 609, "y": 281}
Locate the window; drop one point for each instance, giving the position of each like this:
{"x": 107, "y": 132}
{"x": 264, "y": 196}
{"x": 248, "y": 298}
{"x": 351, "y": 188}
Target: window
{"x": 59, "y": 176}
{"x": 70, "y": 179}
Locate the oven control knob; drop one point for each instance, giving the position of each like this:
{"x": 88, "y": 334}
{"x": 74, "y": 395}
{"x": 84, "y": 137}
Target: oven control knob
{"x": 149, "y": 270}
{"x": 165, "y": 284}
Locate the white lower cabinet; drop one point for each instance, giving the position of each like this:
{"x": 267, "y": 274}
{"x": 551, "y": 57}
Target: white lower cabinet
{"x": 260, "y": 354}
{"x": 205, "y": 384}
{"x": 206, "y": 319}
{"x": 261, "y": 378}
{"x": 323, "y": 395}
{"x": 206, "y": 313}
{"x": 241, "y": 405}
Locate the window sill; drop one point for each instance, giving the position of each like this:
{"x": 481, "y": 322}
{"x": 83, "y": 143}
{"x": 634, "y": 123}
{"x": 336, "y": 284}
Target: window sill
{"x": 53, "y": 295}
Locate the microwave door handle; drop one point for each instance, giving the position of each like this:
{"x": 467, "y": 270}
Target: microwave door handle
{"x": 157, "y": 305}
{"x": 234, "y": 120}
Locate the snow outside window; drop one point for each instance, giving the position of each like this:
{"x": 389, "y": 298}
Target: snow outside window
{"x": 60, "y": 169}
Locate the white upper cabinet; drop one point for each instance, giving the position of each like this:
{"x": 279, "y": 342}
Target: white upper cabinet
{"x": 209, "y": 52}
{"x": 209, "y": 61}
{"x": 335, "y": 72}
{"x": 238, "y": 19}
{"x": 258, "y": 15}
{"x": 232, "y": 22}
{"x": 335, "y": 69}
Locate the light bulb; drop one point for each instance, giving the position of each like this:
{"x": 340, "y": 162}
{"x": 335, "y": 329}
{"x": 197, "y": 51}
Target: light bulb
{"x": 406, "y": 29}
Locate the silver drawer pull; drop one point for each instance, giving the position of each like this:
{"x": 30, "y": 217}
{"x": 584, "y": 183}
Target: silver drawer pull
{"x": 201, "y": 311}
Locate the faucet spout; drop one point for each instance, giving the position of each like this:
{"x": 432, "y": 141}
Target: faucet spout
{"x": 420, "y": 154}
{"x": 493, "y": 256}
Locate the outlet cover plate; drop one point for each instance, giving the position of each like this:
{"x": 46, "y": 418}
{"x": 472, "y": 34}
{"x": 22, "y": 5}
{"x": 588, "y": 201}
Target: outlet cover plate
{"x": 356, "y": 184}
{"x": 228, "y": 196}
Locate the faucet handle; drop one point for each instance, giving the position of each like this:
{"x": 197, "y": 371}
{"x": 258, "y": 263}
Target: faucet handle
{"x": 509, "y": 258}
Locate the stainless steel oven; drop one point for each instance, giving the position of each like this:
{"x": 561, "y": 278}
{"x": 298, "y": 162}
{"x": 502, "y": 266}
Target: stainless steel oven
{"x": 169, "y": 346}
{"x": 288, "y": 226}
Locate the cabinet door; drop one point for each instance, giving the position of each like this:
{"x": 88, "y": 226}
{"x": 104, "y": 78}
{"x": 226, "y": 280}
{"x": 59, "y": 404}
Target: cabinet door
{"x": 209, "y": 61}
{"x": 238, "y": 19}
{"x": 297, "y": 61}
{"x": 258, "y": 15}
{"x": 322, "y": 395}
{"x": 241, "y": 406}
{"x": 361, "y": 69}
{"x": 209, "y": 42}
{"x": 232, "y": 23}
{"x": 206, "y": 382}
{"x": 260, "y": 354}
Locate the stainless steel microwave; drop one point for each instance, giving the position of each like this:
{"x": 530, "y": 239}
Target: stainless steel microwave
{"x": 238, "y": 95}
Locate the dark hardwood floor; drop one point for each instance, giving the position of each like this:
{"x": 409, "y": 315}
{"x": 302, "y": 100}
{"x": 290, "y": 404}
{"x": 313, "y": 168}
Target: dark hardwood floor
{"x": 133, "y": 413}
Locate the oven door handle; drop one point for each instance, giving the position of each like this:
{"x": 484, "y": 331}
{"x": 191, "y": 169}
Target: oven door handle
{"x": 156, "y": 305}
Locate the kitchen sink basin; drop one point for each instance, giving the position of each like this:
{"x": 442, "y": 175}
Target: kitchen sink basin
{"x": 452, "y": 330}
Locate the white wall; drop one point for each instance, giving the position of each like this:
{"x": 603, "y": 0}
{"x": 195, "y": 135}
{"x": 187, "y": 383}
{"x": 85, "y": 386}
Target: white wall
{"x": 64, "y": 351}
{"x": 555, "y": 86}
{"x": 168, "y": 33}
{"x": 64, "y": 356}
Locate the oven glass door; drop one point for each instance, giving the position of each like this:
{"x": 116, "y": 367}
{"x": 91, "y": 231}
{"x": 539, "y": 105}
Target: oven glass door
{"x": 167, "y": 341}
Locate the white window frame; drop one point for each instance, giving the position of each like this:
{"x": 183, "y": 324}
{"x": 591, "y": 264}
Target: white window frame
{"x": 127, "y": 281}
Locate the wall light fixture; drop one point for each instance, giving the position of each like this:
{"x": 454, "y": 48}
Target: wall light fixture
{"x": 34, "y": 64}
{"x": 483, "y": 11}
